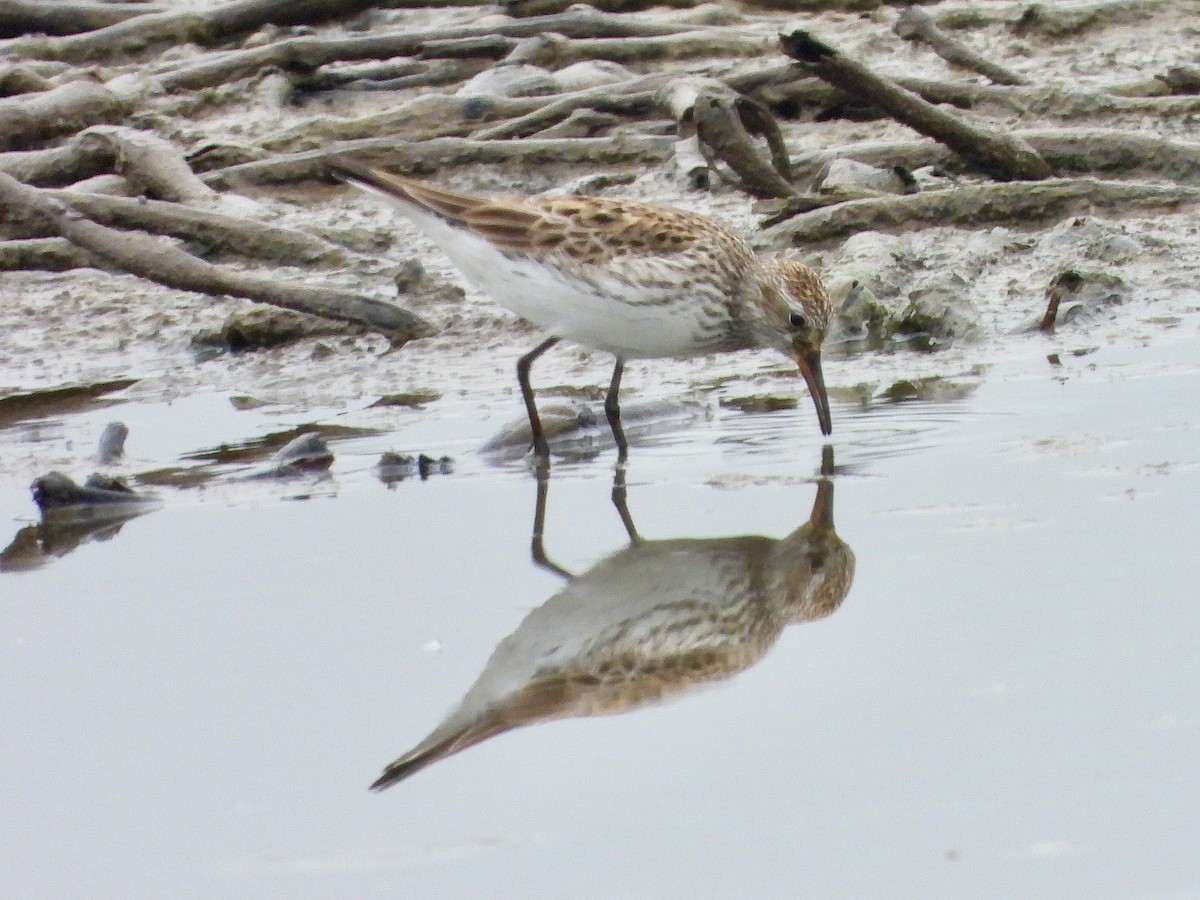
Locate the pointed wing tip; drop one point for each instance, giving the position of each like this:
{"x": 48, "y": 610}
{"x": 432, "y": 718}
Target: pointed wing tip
{"x": 346, "y": 168}
{"x": 396, "y": 773}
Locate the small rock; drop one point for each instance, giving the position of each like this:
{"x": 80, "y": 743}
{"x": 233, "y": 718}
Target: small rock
{"x": 759, "y": 404}
{"x": 592, "y": 73}
{"x": 511, "y": 81}
{"x": 409, "y": 276}
{"x": 306, "y": 452}
{"x": 262, "y": 327}
{"x": 393, "y": 467}
{"x": 112, "y": 442}
{"x": 414, "y": 399}
{"x": 56, "y": 492}
{"x": 846, "y": 175}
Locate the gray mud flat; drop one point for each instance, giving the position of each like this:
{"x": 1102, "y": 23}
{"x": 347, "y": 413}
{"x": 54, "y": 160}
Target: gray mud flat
{"x": 198, "y": 697}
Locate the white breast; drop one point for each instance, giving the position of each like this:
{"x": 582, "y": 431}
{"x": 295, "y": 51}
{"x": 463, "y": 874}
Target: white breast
{"x": 631, "y": 308}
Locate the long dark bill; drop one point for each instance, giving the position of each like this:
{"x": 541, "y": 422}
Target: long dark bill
{"x": 809, "y": 362}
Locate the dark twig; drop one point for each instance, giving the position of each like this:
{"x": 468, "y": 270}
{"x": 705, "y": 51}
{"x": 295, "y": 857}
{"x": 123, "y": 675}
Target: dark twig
{"x": 1062, "y": 287}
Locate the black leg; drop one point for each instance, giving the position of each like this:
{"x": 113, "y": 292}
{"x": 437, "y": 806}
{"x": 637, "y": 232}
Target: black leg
{"x": 622, "y": 505}
{"x": 612, "y": 411}
{"x": 540, "y": 447}
{"x": 537, "y": 550}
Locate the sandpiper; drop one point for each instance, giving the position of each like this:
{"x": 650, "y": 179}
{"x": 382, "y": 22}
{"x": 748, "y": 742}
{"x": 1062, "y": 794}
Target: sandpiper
{"x": 635, "y": 280}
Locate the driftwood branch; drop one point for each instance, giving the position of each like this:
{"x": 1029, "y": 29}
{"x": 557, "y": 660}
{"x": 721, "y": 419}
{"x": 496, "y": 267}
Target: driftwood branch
{"x": 1067, "y": 150}
{"x": 31, "y": 118}
{"x": 914, "y": 24}
{"x": 18, "y": 17}
{"x": 205, "y": 25}
{"x": 791, "y": 87}
{"x": 725, "y": 124}
{"x": 152, "y": 165}
{"x": 521, "y": 8}
{"x": 307, "y": 54}
{"x": 996, "y": 153}
{"x": 1016, "y": 202}
{"x": 46, "y": 254}
{"x": 632, "y": 98}
{"x": 1051, "y": 20}
{"x": 428, "y": 156}
{"x": 17, "y": 78}
{"x": 216, "y": 232}
{"x": 167, "y": 264}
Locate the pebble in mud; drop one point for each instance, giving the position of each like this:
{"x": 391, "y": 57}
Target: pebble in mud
{"x": 305, "y": 453}
{"x": 393, "y": 467}
{"x": 112, "y": 443}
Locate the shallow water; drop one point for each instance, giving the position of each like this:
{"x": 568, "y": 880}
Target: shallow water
{"x": 1005, "y": 704}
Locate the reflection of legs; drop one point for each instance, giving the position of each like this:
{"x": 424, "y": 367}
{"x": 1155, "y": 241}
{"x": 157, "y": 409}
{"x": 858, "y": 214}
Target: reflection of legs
{"x": 537, "y": 550}
{"x": 540, "y": 447}
{"x": 612, "y": 412}
{"x": 619, "y": 501}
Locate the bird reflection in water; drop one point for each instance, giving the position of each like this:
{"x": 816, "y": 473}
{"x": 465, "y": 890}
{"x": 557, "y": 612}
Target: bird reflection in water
{"x": 649, "y": 621}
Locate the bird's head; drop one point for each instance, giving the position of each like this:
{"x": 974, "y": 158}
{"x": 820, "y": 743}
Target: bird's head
{"x": 791, "y": 315}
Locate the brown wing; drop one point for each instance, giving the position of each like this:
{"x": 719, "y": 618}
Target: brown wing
{"x": 589, "y": 229}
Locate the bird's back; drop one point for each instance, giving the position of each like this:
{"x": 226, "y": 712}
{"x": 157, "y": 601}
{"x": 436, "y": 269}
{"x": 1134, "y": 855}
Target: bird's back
{"x": 633, "y": 279}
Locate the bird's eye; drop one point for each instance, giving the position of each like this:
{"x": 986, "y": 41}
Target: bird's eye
{"x": 798, "y": 321}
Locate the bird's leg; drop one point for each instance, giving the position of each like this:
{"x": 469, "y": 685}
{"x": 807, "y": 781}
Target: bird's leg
{"x": 620, "y": 502}
{"x": 540, "y": 447}
{"x": 537, "y": 550}
{"x": 612, "y": 411}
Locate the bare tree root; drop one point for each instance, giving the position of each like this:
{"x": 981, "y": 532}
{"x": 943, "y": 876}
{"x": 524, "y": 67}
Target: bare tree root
{"x": 18, "y": 78}
{"x": 1061, "y": 103}
{"x": 168, "y": 265}
{"x": 307, "y": 54}
{"x": 790, "y": 87}
{"x": 1015, "y": 202}
{"x": 206, "y": 26}
{"x": 59, "y": 17}
{"x": 216, "y": 232}
{"x": 1067, "y": 150}
{"x": 428, "y": 156}
{"x": 556, "y": 51}
{"x": 915, "y": 24}
{"x": 31, "y": 118}
{"x": 996, "y": 153}
{"x": 45, "y": 254}
{"x": 722, "y": 124}
{"x": 632, "y": 98}
{"x": 1051, "y": 20}
{"x": 844, "y": 6}
{"x": 522, "y": 8}
{"x": 151, "y": 164}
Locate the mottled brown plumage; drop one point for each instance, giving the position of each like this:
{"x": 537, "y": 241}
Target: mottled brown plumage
{"x": 633, "y": 279}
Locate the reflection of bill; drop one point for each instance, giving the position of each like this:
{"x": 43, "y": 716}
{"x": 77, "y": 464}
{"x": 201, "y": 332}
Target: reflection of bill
{"x": 645, "y": 623}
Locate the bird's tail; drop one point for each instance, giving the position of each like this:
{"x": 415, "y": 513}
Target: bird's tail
{"x": 444, "y": 742}
{"x": 448, "y": 205}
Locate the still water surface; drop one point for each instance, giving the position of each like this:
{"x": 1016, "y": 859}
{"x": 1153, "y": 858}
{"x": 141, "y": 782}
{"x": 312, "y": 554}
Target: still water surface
{"x": 1005, "y": 702}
